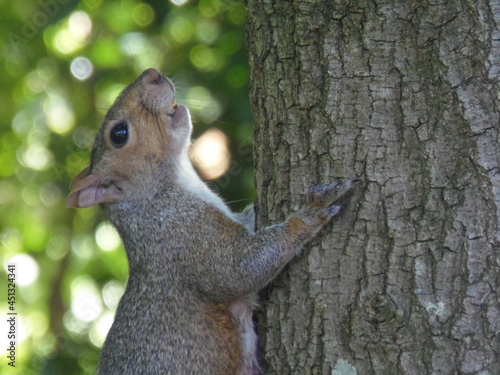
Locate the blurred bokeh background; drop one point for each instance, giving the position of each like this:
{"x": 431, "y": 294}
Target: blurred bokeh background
{"x": 62, "y": 65}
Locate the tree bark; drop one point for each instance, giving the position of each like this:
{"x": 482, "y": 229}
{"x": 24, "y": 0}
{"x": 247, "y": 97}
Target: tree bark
{"x": 404, "y": 95}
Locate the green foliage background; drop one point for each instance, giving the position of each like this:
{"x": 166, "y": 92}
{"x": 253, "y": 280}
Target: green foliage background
{"x": 198, "y": 44}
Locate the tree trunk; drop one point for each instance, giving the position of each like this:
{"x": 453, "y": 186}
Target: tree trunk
{"x": 404, "y": 95}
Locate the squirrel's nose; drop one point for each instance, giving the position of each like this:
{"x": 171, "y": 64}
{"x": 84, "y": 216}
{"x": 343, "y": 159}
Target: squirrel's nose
{"x": 152, "y": 76}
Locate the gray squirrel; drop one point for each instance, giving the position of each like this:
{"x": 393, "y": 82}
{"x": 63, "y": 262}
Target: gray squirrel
{"x": 195, "y": 266}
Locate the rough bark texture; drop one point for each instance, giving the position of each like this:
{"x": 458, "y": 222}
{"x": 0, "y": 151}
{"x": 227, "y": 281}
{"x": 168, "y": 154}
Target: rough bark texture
{"x": 405, "y": 95}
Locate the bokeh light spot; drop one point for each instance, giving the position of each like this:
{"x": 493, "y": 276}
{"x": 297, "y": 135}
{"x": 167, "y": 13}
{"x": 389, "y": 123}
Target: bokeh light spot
{"x": 27, "y": 269}
{"x": 100, "y": 328}
{"x": 209, "y": 8}
{"x": 11, "y": 240}
{"x": 81, "y": 68}
{"x": 143, "y": 15}
{"x": 74, "y": 34}
{"x": 210, "y": 154}
{"x": 64, "y": 42}
{"x": 203, "y": 104}
{"x": 236, "y": 14}
{"x": 181, "y": 29}
{"x": 86, "y": 303}
{"x": 133, "y": 43}
{"x": 37, "y": 157}
{"x": 59, "y": 114}
{"x": 202, "y": 57}
{"x": 83, "y": 246}
{"x": 80, "y": 25}
{"x": 111, "y": 293}
{"x": 207, "y": 31}
{"x": 50, "y": 193}
{"x": 106, "y": 237}
{"x": 179, "y": 2}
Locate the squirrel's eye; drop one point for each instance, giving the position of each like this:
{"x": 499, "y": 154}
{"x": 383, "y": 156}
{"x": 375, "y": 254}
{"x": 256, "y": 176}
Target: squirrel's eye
{"x": 119, "y": 134}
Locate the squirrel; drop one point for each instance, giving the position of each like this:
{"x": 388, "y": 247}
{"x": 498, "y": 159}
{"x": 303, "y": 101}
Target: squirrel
{"x": 195, "y": 266}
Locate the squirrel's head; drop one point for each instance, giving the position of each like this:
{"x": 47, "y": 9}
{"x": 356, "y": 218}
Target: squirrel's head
{"x": 143, "y": 130}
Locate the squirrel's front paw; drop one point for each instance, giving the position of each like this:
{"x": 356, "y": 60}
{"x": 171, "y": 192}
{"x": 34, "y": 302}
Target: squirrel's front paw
{"x": 322, "y": 197}
{"x": 325, "y": 195}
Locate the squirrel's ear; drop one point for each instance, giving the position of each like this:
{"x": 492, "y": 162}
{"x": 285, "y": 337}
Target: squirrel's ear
{"x": 89, "y": 189}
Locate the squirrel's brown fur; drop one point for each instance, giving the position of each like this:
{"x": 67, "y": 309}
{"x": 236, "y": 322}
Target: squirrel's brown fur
{"x": 195, "y": 266}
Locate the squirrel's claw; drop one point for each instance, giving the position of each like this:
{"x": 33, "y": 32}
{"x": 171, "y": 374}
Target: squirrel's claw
{"x": 325, "y": 195}
{"x": 320, "y": 208}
